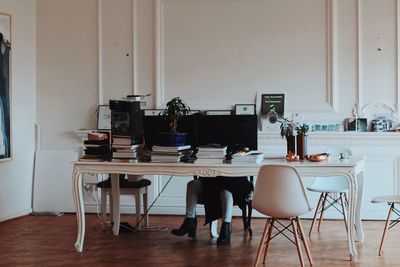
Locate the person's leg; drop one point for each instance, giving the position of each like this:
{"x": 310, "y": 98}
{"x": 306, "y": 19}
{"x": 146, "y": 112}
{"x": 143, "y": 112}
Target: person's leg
{"x": 226, "y": 228}
{"x": 193, "y": 189}
{"x": 189, "y": 225}
{"x": 227, "y": 205}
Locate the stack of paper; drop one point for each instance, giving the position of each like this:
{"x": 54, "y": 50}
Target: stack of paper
{"x": 249, "y": 157}
{"x": 211, "y": 153}
{"x": 168, "y": 153}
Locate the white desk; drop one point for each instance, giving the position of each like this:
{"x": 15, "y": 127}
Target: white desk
{"x": 352, "y": 169}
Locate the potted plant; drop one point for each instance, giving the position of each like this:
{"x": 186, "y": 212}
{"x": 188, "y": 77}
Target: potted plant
{"x": 301, "y": 140}
{"x": 175, "y": 109}
{"x": 287, "y": 130}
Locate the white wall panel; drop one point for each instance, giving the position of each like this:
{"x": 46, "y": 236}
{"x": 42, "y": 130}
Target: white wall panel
{"x": 241, "y": 47}
{"x": 16, "y": 174}
{"x": 117, "y": 49}
{"x": 378, "y": 51}
{"x": 67, "y": 74}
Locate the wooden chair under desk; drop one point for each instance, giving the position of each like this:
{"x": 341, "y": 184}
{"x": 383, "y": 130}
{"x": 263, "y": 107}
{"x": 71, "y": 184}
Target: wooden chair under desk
{"x": 135, "y": 186}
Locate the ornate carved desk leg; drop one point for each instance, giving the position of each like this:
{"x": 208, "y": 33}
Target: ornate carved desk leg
{"x": 115, "y": 197}
{"x": 360, "y": 190}
{"x": 351, "y": 214}
{"x": 77, "y": 188}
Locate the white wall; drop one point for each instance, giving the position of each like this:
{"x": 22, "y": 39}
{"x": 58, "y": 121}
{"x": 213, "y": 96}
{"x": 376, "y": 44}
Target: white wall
{"x": 16, "y": 175}
{"x": 67, "y": 76}
{"x": 332, "y": 58}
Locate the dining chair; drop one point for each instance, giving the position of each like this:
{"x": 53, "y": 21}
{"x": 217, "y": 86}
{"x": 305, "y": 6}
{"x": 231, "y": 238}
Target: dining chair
{"x": 133, "y": 186}
{"x": 279, "y": 193}
{"x": 333, "y": 190}
{"x": 390, "y": 200}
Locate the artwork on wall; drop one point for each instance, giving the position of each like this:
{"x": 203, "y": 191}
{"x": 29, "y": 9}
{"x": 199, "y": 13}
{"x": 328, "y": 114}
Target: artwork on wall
{"x": 270, "y": 108}
{"x": 103, "y": 117}
{"x": 5, "y": 86}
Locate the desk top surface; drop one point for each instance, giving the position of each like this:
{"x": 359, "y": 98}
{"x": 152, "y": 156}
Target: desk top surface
{"x": 331, "y": 162}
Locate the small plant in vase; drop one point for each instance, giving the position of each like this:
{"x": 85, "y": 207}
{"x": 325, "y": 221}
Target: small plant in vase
{"x": 175, "y": 109}
{"x": 287, "y": 130}
{"x": 301, "y": 140}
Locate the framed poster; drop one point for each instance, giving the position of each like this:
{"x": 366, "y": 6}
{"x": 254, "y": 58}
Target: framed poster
{"x": 104, "y": 117}
{"x": 273, "y": 102}
{"x": 5, "y": 86}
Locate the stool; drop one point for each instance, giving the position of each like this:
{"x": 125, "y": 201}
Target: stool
{"x": 136, "y": 187}
{"x": 390, "y": 200}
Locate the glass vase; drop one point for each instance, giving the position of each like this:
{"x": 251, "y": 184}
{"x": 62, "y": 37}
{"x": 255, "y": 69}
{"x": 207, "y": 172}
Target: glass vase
{"x": 291, "y": 144}
{"x": 301, "y": 146}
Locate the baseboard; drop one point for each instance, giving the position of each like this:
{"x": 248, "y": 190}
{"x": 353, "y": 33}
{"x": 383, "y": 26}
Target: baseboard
{"x": 14, "y": 215}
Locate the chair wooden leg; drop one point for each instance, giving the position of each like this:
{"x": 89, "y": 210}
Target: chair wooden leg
{"x": 316, "y": 212}
{"x": 296, "y": 239}
{"x": 386, "y": 228}
{"x": 260, "y": 247}
{"x": 322, "y": 211}
{"x": 111, "y": 206}
{"x": 271, "y": 227}
{"x": 138, "y": 204}
{"x": 146, "y": 218}
{"x": 345, "y": 198}
{"x": 304, "y": 241}
{"x": 103, "y": 206}
{"x": 344, "y": 211}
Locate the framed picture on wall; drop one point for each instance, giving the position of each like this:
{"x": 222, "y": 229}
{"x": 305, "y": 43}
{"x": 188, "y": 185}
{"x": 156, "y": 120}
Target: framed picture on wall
{"x": 104, "y": 117}
{"x": 245, "y": 109}
{"x": 5, "y": 87}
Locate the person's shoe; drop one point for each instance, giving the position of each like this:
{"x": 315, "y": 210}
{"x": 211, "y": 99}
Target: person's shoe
{"x": 225, "y": 234}
{"x": 188, "y": 226}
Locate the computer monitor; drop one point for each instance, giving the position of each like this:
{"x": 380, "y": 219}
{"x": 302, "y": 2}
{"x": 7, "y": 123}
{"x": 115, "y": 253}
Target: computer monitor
{"x": 235, "y": 131}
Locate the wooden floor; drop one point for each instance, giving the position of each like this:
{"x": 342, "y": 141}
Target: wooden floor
{"x": 49, "y": 241}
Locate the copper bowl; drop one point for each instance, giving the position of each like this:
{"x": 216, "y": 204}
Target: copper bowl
{"x": 318, "y": 157}
{"x": 292, "y": 157}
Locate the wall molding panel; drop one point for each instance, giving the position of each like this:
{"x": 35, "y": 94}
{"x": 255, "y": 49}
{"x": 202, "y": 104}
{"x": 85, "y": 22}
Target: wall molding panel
{"x": 134, "y": 47}
{"x": 159, "y": 46}
{"x": 361, "y": 103}
{"x": 397, "y": 51}
{"x": 331, "y": 18}
{"x": 100, "y": 51}
{"x": 330, "y": 55}
{"x": 357, "y": 106}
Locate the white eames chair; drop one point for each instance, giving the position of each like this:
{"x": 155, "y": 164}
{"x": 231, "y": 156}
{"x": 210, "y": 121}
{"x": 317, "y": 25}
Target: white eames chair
{"x": 329, "y": 187}
{"x": 390, "y": 200}
{"x": 279, "y": 193}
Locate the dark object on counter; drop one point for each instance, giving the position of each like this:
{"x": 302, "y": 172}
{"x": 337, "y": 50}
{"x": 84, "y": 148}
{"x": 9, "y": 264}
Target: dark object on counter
{"x": 356, "y": 124}
{"x": 381, "y": 125}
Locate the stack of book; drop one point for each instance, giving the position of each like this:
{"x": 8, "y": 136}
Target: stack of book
{"x": 169, "y": 153}
{"x": 211, "y": 153}
{"x": 97, "y": 147}
{"x": 249, "y": 157}
{"x": 125, "y": 147}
